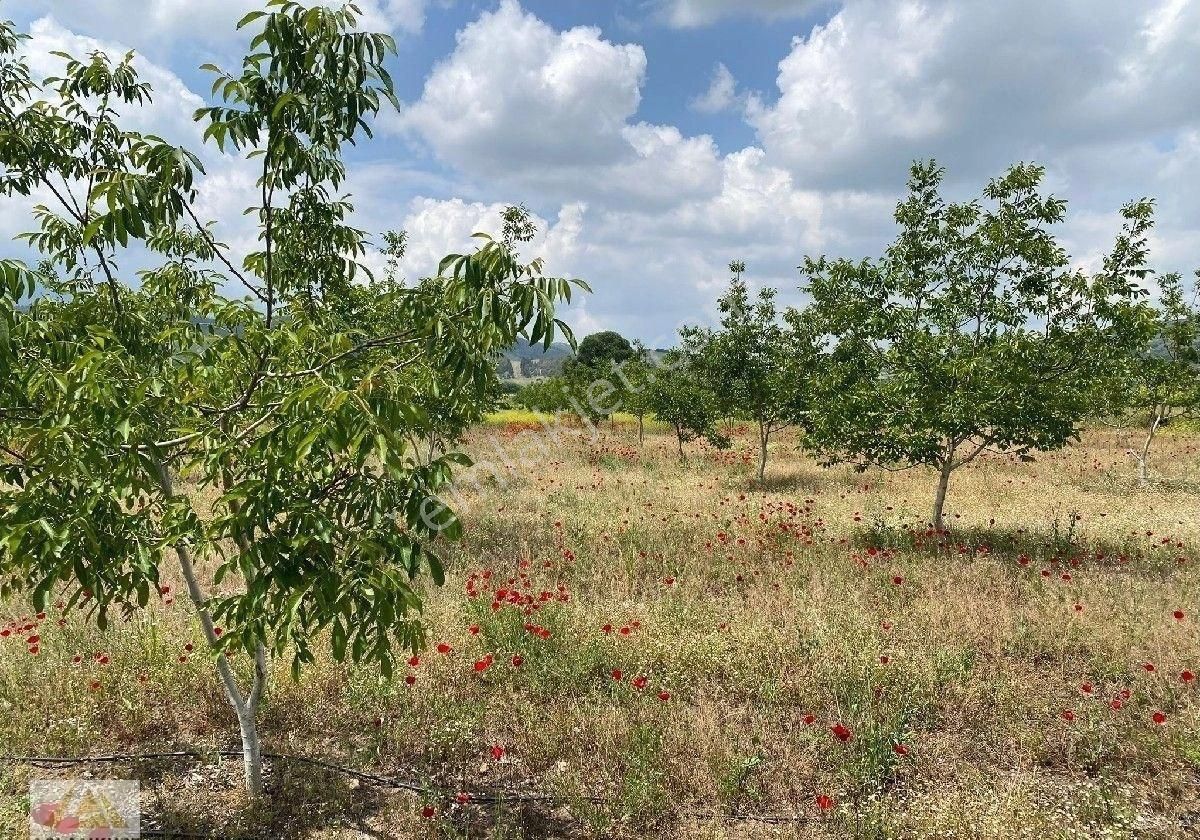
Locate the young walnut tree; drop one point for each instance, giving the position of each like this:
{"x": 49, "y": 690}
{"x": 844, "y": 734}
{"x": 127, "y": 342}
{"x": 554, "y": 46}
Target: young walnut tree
{"x": 756, "y": 363}
{"x": 1162, "y": 382}
{"x": 972, "y": 333}
{"x": 124, "y": 398}
{"x": 677, "y": 393}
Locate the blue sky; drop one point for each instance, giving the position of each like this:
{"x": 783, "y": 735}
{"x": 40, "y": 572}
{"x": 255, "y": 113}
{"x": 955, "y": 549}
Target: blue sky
{"x": 659, "y": 139}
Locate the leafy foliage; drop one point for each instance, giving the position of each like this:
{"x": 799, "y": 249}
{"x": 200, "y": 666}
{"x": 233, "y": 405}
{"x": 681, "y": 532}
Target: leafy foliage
{"x": 297, "y": 403}
{"x": 758, "y": 365}
{"x": 1162, "y": 381}
{"x": 592, "y": 383}
{"x": 602, "y": 349}
{"x": 972, "y": 332}
{"x": 677, "y": 393}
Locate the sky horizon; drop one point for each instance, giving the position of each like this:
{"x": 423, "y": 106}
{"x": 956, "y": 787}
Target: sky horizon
{"x": 657, "y": 140}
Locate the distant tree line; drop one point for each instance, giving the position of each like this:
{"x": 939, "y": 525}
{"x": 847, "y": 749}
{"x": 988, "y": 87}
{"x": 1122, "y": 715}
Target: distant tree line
{"x": 973, "y": 332}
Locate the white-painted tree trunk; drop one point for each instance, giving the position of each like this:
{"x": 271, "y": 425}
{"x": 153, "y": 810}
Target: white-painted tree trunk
{"x": 764, "y": 437}
{"x": 246, "y": 708}
{"x": 1156, "y": 418}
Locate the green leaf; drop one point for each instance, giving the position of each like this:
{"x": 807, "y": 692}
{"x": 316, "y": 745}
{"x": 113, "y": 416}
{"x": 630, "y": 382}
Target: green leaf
{"x": 245, "y": 21}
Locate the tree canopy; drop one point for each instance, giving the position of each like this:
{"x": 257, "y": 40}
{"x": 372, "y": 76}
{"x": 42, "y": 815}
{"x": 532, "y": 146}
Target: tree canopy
{"x": 288, "y": 402}
{"x": 756, "y": 364}
{"x": 599, "y": 350}
{"x": 1161, "y": 381}
{"x": 973, "y": 331}
{"x": 677, "y": 393}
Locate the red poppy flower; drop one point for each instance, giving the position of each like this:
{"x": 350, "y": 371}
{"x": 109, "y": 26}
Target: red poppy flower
{"x": 411, "y": 679}
{"x": 444, "y": 648}
{"x": 899, "y": 749}
{"x": 1159, "y": 718}
{"x": 1086, "y": 688}
{"x": 617, "y": 674}
{"x": 497, "y": 752}
{"x": 1178, "y": 615}
{"x": 428, "y": 811}
{"x": 841, "y": 732}
{"x": 883, "y": 660}
{"x": 1187, "y": 676}
{"x": 414, "y": 661}
{"x": 462, "y": 798}
{"x": 482, "y": 664}
{"x": 809, "y": 720}
{"x": 640, "y": 682}
{"x": 518, "y": 660}
{"x": 1068, "y": 715}
{"x": 897, "y": 580}
{"x": 474, "y": 629}
{"x": 607, "y": 628}
{"x": 1149, "y": 668}
{"x": 1116, "y": 705}
{"x": 1079, "y": 608}
{"x": 664, "y": 696}
{"x": 824, "y": 802}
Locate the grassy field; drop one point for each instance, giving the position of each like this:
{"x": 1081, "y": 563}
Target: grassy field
{"x": 670, "y": 650}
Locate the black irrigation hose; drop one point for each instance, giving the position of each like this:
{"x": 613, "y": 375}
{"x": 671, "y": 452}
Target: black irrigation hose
{"x": 493, "y": 797}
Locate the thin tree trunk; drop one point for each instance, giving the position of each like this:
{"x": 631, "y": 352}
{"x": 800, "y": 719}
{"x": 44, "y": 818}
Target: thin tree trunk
{"x": 1143, "y": 460}
{"x": 764, "y": 436}
{"x": 246, "y": 709}
{"x": 679, "y": 438}
{"x": 641, "y": 429}
{"x": 939, "y": 501}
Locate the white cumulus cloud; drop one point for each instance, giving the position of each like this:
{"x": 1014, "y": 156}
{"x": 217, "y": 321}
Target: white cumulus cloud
{"x": 161, "y": 24}
{"x": 977, "y": 85}
{"x": 691, "y": 13}
{"x": 721, "y": 94}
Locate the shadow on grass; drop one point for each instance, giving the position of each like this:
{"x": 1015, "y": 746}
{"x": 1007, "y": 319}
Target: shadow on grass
{"x": 1055, "y": 544}
{"x": 805, "y": 483}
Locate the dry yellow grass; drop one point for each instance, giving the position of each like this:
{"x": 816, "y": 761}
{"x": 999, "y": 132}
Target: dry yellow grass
{"x": 754, "y": 608}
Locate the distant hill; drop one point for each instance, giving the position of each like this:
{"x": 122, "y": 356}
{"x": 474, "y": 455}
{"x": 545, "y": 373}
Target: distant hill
{"x": 527, "y": 361}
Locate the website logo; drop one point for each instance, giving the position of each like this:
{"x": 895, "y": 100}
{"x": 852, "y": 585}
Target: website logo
{"x": 91, "y": 809}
